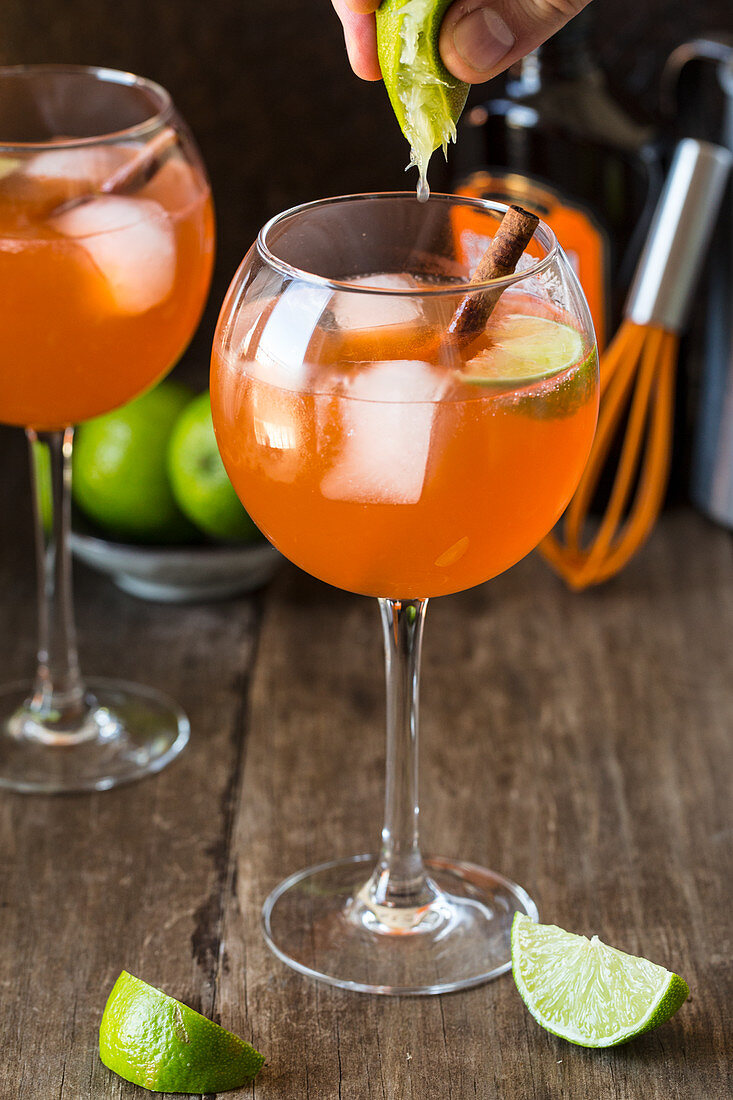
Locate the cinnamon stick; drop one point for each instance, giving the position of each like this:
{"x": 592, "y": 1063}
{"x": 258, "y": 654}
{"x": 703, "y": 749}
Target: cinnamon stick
{"x": 138, "y": 170}
{"x": 130, "y": 176}
{"x": 500, "y": 258}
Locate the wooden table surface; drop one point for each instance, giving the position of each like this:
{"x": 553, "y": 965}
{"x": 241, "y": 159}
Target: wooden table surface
{"x": 580, "y": 744}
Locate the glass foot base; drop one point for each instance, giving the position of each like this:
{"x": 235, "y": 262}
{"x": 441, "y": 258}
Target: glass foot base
{"x": 123, "y": 733}
{"x": 318, "y": 922}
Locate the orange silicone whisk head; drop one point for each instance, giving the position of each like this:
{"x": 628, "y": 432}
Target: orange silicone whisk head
{"x": 637, "y": 378}
{"x": 637, "y": 374}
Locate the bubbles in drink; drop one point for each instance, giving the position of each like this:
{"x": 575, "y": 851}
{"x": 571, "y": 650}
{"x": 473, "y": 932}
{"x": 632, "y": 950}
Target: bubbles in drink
{"x": 132, "y": 244}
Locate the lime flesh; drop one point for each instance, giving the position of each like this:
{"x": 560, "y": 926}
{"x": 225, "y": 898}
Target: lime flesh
{"x": 425, "y": 97}
{"x": 586, "y": 992}
{"x": 152, "y": 1040}
{"x": 524, "y": 348}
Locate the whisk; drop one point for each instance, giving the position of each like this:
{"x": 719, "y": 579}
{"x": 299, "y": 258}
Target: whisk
{"x": 638, "y": 374}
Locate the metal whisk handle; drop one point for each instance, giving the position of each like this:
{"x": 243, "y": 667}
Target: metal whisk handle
{"x": 683, "y": 222}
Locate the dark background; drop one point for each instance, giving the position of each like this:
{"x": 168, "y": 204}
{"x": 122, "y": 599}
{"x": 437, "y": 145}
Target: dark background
{"x": 266, "y": 87}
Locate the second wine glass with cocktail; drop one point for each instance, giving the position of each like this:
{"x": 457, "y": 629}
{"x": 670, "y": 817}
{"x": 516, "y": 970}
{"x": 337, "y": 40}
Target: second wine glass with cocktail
{"x": 106, "y": 248}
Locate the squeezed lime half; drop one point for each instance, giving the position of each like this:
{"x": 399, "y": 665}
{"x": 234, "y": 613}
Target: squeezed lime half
{"x": 425, "y": 97}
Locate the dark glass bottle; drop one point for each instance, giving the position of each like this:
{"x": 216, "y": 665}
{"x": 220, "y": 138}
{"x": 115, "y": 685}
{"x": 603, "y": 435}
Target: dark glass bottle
{"x": 557, "y": 142}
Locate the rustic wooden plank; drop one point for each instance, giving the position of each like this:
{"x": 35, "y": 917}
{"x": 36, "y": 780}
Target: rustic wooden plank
{"x": 131, "y": 878}
{"x": 578, "y": 743}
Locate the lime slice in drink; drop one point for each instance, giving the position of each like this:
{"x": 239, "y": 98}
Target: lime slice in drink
{"x": 426, "y": 98}
{"x": 588, "y": 993}
{"x": 8, "y": 165}
{"x": 524, "y": 348}
{"x": 152, "y": 1040}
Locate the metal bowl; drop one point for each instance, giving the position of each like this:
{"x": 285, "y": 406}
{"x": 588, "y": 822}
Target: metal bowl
{"x": 179, "y": 574}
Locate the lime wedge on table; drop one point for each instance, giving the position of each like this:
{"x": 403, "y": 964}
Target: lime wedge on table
{"x": 524, "y": 348}
{"x": 586, "y": 992}
{"x": 426, "y": 98}
{"x": 152, "y": 1040}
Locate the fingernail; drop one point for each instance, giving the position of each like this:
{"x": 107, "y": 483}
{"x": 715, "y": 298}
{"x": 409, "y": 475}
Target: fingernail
{"x": 482, "y": 39}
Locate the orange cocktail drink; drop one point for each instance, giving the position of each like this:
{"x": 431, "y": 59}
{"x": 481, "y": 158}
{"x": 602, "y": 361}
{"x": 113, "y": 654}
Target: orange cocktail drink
{"x": 106, "y": 250}
{"x": 99, "y": 293}
{"x": 402, "y": 423}
{"x": 395, "y": 470}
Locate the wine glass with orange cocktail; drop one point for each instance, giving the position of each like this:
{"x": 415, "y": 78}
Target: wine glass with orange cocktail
{"x": 106, "y": 249}
{"x": 403, "y": 425}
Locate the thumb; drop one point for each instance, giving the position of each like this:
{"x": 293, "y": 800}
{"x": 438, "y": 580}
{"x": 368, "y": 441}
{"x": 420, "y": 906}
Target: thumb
{"x": 481, "y": 38}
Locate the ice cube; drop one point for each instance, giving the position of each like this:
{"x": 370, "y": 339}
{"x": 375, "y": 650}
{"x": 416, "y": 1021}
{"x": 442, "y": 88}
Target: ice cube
{"x": 355, "y": 310}
{"x": 83, "y": 170}
{"x": 131, "y": 242}
{"x": 40, "y": 183}
{"x": 387, "y": 423}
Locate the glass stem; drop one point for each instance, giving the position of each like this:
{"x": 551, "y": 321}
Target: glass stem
{"x": 58, "y": 696}
{"x": 399, "y": 879}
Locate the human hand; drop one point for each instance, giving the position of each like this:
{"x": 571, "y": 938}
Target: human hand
{"x": 478, "y": 38}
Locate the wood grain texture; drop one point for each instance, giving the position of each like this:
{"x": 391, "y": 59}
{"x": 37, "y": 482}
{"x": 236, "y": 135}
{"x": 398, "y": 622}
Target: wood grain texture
{"x": 133, "y": 878}
{"x": 578, "y": 743}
